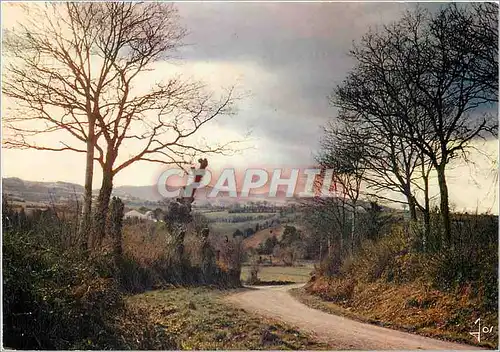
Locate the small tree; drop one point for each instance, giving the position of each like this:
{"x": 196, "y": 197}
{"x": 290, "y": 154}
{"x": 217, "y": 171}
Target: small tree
{"x": 238, "y": 233}
{"x": 345, "y": 159}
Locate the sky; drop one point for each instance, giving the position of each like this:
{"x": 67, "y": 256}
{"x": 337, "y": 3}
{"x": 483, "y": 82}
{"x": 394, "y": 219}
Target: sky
{"x": 284, "y": 59}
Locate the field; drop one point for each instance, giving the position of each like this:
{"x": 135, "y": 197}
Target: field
{"x": 218, "y": 225}
{"x": 259, "y": 237}
{"x": 194, "y": 319}
{"x": 298, "y": 274}
{"x": 225, "y": 214}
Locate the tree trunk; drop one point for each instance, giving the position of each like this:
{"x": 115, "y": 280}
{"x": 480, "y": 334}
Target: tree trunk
{"x": 101, "y": 209}
{"x": 85, "y": 223}
{"x": 444, "y": 205}
{"x": 353, "y": 225}
{"x": 412, "y": 207}
{"x": 115, "y": 224}
{"x": 427, "y": 212}
{"x": 343, "y": 228}
{"x": 341, "y": 246}
{"x": 320, "y": 250}
{"x": 329, "y": 246}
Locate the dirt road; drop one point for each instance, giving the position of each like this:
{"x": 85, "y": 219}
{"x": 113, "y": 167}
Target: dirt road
{"x": 339, "y": 332}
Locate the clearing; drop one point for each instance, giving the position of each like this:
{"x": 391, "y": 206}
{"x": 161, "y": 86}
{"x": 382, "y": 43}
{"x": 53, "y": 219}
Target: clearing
{"x": 297, "y": 274}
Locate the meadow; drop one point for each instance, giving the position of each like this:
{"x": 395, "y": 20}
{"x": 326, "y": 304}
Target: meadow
{"x": 296, "y": 274}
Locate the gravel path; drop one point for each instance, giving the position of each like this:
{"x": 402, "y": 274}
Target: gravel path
{"x": 339, "y": 332}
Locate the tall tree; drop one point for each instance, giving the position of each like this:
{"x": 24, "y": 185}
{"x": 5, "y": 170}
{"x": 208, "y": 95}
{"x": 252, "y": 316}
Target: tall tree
{"x": 85, "y": 70}
{"x": 411, "y": 71}
{"x": 49, "y": 84}
{"x": 474, "y": 28}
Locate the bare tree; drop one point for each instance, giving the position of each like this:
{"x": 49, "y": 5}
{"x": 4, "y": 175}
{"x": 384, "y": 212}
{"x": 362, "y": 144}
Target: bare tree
{"x": 474, "y": 28}
{"x": 77, "y": 71}
{"x": 412, "y": 72}
{"x": 345, "y": 159}
{"x": 372, "y": 116}
{"x": 48, "y": 80}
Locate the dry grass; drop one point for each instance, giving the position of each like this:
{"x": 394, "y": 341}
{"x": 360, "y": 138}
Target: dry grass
{"x": 413, "y": 307}
{"x": 297, "y": 274}
{"x": 146, "y": 242}
{"x": 259, "y": 237}
{"x": 197, "y": 318}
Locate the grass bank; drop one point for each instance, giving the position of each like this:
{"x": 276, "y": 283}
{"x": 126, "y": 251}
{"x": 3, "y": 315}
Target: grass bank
{"x": 436, "y": 293}
{"x": 408, "y": 308}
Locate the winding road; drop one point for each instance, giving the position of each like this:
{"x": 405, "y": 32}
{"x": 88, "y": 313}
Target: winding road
{"x": 338, "y": 332}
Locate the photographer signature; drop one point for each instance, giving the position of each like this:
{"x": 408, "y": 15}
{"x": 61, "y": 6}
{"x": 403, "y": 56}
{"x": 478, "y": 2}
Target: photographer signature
{"x": 484, "y": 330}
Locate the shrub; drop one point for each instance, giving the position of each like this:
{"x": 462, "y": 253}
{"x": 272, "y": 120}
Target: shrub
{"x": 53, "y": 299}
{"x": 376, "y": 258}
{"x": 454, "y": 268}
{"x": 330, "y": 266}
{"x": 59, "y": 297}
{"x": 254, "y": 274}
{"x": 335, "y": 289}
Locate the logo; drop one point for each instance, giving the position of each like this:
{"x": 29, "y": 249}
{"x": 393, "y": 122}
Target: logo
{"x": 484, "y": 330}
{"x": 234, "y": 183}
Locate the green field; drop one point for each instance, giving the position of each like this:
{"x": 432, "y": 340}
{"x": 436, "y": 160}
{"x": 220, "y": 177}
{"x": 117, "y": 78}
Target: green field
{"x": 296, "y": 274}
{"x": 226, "y": 214}
{"x": 230, "y": 227}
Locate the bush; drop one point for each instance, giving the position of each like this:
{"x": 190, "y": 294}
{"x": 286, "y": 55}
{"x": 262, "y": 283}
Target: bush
{"x": 335, "y": 289}
{"x": 459, "y": 267}
{"x": 376, "y": 258}
{"x": 330, "y": 266}
{"x": 53, "y": 299}
{"x": 254, "y": 274}
{"x": 469, "y": 261}
{"x": 58, "y": 297}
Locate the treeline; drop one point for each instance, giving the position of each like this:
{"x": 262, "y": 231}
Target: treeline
{"x": 241, "y": 218}
{"x": 292, "y": 246}
{"x": 253, "y": 209}
{"x": 421, "y": 92}
{"x": 249, "y": 231}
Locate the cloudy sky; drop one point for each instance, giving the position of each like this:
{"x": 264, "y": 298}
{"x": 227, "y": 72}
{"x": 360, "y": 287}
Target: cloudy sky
{"x": 285, "y": 59}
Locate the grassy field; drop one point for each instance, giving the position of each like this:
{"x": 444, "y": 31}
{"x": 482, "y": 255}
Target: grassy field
{"x": 296, "y": 274}
{"x": 257, "y": 238}
{"x": 227, "y": 228}
{"x": 226, "y": 214}
{"x": 198, "y": 318}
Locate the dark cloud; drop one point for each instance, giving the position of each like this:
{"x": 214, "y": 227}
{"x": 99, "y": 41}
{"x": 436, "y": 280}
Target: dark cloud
{"x": 304, "y": 45}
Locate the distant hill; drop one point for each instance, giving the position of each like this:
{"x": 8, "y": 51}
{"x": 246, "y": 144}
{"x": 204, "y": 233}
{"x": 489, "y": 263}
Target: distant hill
{"x": 36, "y": 191}
{"x": 141, "y": 192}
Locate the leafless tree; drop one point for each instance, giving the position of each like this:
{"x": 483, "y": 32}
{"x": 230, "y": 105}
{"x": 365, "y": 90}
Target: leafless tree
{"x": 474, "y": 28}
{"x": 411, "y": 75}
{"x": 76, "y": 68}
{"x": 345, "y": 160}
{"x": 47, "y": 79}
